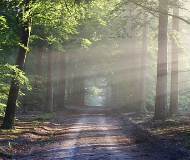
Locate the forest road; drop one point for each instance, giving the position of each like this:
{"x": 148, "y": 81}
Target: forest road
{"x": 93, "y": 136}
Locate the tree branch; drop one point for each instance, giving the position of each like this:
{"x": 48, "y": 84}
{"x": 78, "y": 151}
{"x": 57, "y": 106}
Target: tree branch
{"x": 157, "y": 11}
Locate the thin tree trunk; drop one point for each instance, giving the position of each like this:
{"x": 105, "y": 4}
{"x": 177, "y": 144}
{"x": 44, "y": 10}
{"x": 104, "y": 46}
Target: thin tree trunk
{"x": 161, "y": 109}
{"x": 62, "y": 81}
{"x": 76, "y": 87}
{"x": 39, "y": 60}
{"x": 117, "y": 91}
{"x": 74, "y": 95}
{"x": 113, "y": 92}
{"x": 133, "y": 67}
{"x": 49, "y": 92}
{"x": 82, "y": 90}
{"x": 174, "y": 95}
{"x": 72, "y": 89}
{"x": 69, "y": 87}
{"x": 9, "y": 119}
{"x": 38, "y": 81}
{"x": 144, "y": 65}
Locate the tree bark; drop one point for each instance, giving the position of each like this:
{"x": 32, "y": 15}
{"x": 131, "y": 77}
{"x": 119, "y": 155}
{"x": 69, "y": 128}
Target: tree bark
{"x": 38, "y": 81}
{"x": 133, "y": 68}
{"x": 69, "y": 87}
{"x": 161, "y": 108}
{"x": 82, "y": 90}
{"x": 24, "y": 28}
{"x": 144, "y": 65}
{"x": 39, "y": 59}
{"x": 49, "y": 92}
{"x": 76, "y": 87}
{"x": 72, "y": 88}
{"x": 174, "y": 95}
{"x": 113, "y": 92}
{"x": 62, "y": 81}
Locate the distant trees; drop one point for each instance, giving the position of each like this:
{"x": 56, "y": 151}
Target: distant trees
{"x": 53, "y": 24}
{"x": 87, "y": 43}
{"x": 26, "y": 10}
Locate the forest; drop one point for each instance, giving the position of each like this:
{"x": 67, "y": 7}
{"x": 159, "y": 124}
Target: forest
{"x": 67, "y": 65}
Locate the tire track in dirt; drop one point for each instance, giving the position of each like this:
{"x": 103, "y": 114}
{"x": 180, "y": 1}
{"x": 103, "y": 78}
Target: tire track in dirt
{"x": 92, "y": 137}
{"x": 103, "y": 140}
{"x": 67, "y": 148}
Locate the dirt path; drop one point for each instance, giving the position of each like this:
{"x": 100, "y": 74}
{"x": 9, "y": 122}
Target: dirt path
{"x": 91, "y": 136}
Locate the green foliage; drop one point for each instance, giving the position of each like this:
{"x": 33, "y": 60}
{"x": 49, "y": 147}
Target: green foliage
{"x": 184, "y": 102}
{"x": 57, "y": 20}
{"x": 3, "y": 24}
{"x": 84, "y": 27}
{"x": 32, "y": 99}
{"x": 8, "y": 26}
{"x": 6, "y": 75}
{"x": 93, "y": 91}
{"x": 86, "y": 43}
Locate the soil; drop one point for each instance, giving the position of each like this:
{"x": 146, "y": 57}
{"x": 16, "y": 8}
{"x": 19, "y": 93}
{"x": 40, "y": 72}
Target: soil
{"x": 95, "y": 133}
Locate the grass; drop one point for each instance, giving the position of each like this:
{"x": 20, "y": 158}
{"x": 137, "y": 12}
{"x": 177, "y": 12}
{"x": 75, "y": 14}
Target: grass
{"x": 43, "y": 116}
{"x": 13, "y": 137}
{"x": 9, "y": 144}
{"x": 171, "y": 121}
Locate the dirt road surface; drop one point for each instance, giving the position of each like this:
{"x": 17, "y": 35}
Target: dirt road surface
{"x": 90, "y": 135}
{"x": 96, "y": 134}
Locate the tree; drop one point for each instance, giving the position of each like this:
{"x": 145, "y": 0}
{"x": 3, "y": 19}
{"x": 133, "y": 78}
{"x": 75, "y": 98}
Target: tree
{"x": 62, "y": 80}
{"x": 144, "y": 65}
{"x": 24, "y": 28}
{"x": 39, "y": 57}
{"x": 174, "y": 95}
{"x": 161, "y": 108}
{"x": 81, "y": 93}
{"x": 49, "y": 92}
{"x": 133, "y": 67}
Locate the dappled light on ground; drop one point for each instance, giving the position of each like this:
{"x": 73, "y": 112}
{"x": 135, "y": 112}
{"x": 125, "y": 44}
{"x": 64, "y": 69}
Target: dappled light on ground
{"x": 91, "y": 134}
{"x": 91, "y": 137}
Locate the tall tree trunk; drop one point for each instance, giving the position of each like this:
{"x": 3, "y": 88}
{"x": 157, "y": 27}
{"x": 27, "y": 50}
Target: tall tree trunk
{"x": 74, "y": 94}
{"x": 82, "y": 90}
{"x": 117, "y": 91}
{"x": 133, "y": 68}
{"x": 39, "y": 60}
{"x": 134, "y": 94}
{"x": 113, "y": 92}
{"x": 174, "y": 95}
{"x": 144, "y": 65}
{"x": 38, "y": 81}
{"x": 62, "y": 81}
{"x": 72, "y": 89}
{"x": 9, "y": 119}
{"x": 77, "y": 92}
{"x": 69, "y": 87}
{"x": 161, "y": 109}
{"x": 49, "y": 92}
{"x": 76, "y": 87}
